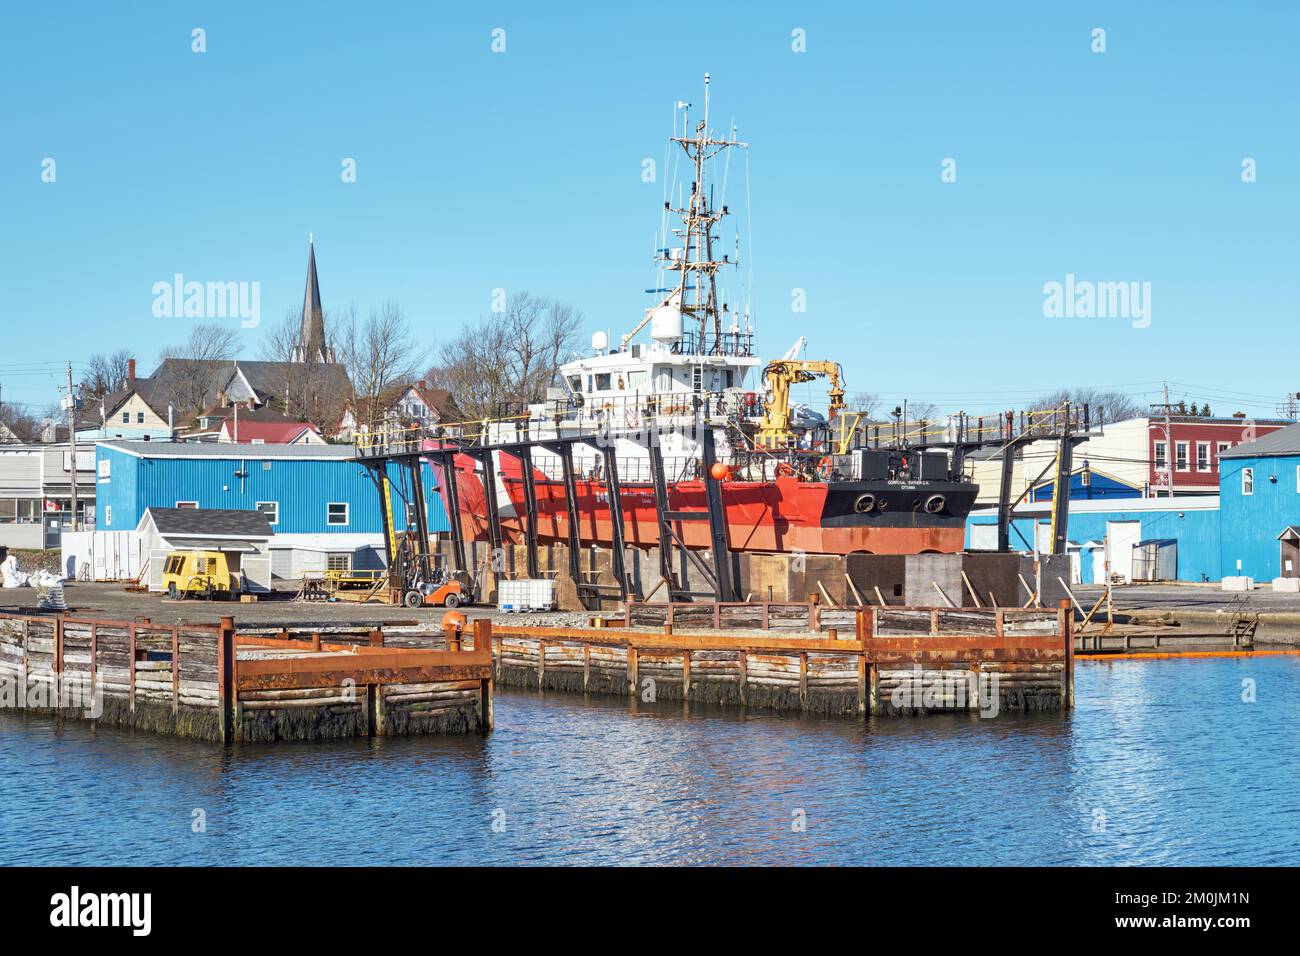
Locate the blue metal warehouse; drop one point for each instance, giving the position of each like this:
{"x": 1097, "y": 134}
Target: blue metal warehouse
{"x": 1141, "y": 538}
{"x": 1260, "y": 506}
{"x": 318, "y": 500}
{"x": 1251, "y": 528}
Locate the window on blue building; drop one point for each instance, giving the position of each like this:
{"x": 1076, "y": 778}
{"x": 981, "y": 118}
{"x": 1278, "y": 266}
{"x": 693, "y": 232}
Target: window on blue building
{"x": 1248, "y": 481}
{"x": 271, "y": 509}
{"x": 336, "y": 512}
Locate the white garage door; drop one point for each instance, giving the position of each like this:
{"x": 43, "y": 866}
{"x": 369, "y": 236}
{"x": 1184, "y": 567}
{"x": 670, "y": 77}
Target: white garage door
{"x": 1121, "y": 536}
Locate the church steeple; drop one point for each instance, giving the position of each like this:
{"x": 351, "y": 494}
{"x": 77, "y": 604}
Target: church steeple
{"x": 311, "y": 345}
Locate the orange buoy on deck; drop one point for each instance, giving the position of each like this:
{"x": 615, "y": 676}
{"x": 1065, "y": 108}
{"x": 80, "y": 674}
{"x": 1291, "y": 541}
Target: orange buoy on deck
{"x": 720, "y": 472}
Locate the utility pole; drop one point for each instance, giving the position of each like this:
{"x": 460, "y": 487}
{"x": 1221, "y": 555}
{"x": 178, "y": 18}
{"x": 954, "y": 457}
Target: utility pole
{"x": 72, "y": 446}
{"x": 1169, "y": 445}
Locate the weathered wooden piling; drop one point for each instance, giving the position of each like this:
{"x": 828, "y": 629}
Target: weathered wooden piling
{"x": 213, "y": 683}
{"x": 899, "y": 661}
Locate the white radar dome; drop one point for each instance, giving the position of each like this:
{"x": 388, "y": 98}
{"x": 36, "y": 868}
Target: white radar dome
{"x": 666, "y": 324}
{"x": 600, "y": 341}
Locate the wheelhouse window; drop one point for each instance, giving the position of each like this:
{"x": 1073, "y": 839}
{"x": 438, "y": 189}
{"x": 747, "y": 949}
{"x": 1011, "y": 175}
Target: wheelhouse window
{"x": 602, "y": 382}
{"x": 1248, "y": 481}
{"x": 336, "y": 513}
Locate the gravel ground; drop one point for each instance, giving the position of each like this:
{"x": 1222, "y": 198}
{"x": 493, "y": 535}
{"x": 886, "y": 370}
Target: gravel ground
{"x": 113, "y": 601}
{"x": 1188, "y": 597}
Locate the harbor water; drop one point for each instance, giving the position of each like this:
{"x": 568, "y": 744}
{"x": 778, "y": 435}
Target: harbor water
{"x": 1162, "y": 762}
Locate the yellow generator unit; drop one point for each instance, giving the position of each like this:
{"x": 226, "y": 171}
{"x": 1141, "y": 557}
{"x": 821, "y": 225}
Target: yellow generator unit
{"x": 204, "y": 574}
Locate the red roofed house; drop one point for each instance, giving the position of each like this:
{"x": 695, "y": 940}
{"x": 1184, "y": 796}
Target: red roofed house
{"x": 234, "y": 430}
{"x": 412, "y": 405}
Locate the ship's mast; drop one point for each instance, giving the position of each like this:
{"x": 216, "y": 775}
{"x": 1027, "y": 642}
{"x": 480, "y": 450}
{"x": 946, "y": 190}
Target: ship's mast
{"x": 697, "y": 264}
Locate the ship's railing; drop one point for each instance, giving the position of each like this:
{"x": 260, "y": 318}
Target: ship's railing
{"x": 962, "y": 428}
{"x": 711, "y": 343}
{"x": 625, "y": 414}
{"x": 630, "y": 469}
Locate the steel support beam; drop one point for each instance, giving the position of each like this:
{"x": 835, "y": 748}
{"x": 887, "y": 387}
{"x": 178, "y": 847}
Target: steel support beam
{"x": 614, "y": 491}
{"x": 490, "y": 498}
{"x": 1061, "y": 495}
{"x": 717, "y": 521}
{"x": 530, "y": 507}
{"x": 565, "y": 451}
{"x": 661, "y": 513}
{"x": 1004, "y": 497}
{"x": 415, "y": 465}
{"x": 451, "y": 501}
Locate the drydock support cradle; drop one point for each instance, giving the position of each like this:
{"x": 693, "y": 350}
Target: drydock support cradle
{"x": 382, "y": 447}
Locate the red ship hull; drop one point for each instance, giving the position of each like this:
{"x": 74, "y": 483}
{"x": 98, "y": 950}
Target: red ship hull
{"x": 781, "y": 515}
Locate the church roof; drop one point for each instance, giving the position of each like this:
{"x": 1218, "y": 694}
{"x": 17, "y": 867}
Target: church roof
{"x": 312, "y": 333}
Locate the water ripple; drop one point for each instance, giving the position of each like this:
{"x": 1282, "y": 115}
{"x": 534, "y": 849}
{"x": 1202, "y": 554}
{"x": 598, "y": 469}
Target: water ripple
{"x": 1161, "y": 763}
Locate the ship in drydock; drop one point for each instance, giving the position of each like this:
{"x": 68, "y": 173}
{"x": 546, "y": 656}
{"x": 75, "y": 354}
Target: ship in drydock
{"x": 681, "y": 415}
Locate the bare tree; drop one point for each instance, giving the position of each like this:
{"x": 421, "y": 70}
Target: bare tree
{"x": 306, "y": 390}
{"x": 1103, "y": 405}
{"x": 922, "y": 411}
{"x": 508, "y": 358}
{"x": 105, "y": 374}
{"x": 279, "y": 340}
{"x": 192, "y": 362}
{"x": 379, "y": 353}
{"x": 471, "y": 368}
{"x": 22, "y": 424}
{"x": 868, "y": 403}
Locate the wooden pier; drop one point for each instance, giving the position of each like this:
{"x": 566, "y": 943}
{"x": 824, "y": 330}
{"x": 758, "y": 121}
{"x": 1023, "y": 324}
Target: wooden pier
{"x": 892, "y": 661}
{"x": 213, "y": 683}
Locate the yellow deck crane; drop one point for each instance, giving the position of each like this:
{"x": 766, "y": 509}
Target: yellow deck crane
{"x": 774, "y": 430}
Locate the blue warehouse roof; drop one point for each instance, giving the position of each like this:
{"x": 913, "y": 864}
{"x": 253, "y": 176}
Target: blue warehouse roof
{"x": 224, "y": 450}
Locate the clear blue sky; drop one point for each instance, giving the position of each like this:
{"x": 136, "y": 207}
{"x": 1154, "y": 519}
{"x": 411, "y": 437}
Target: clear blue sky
{"x": 522, "y": 170}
